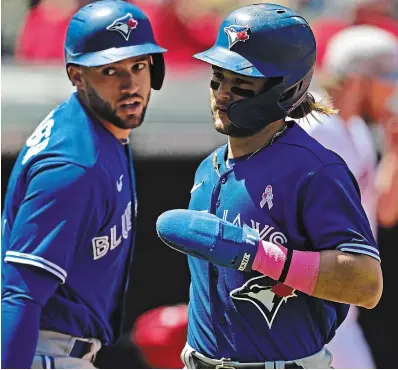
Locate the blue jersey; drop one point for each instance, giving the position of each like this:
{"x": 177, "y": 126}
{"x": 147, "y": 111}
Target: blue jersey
{"x": 70, "y": 210}
{"x": 294, "y": 192}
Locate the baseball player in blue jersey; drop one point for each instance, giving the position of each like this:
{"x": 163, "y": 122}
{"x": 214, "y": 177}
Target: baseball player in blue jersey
{"x": 70, "y": 211}
{"x": 277, "y": 239}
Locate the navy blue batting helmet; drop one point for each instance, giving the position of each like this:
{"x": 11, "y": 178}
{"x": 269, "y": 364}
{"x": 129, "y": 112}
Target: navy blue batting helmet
{"x": 265, "y": 40}
{"x": 108, "y": 31}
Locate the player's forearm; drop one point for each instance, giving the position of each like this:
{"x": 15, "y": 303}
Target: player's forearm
{"x": 329, "y": 274}
{"x": 26, "y": 289}
{"x": 349, "y": 278}
{"x": 19, "y": 331}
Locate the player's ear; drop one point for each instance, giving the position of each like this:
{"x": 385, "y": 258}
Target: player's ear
{"x": 75, "y": 75}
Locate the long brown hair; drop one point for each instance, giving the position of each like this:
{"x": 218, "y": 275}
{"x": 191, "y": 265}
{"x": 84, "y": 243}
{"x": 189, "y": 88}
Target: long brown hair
{"x": 310, "y": 106}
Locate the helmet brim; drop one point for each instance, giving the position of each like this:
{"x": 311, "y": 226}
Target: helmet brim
{"x": 108, "y": 56}
{"x": 229, "y": 60}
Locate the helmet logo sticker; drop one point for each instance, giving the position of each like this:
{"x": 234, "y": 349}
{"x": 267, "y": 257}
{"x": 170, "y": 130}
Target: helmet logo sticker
{"x": 237, "y": 33}
{"x": 124, "y": 25}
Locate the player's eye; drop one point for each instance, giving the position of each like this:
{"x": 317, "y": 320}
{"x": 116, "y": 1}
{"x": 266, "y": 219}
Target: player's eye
{"x": 239, "y": 81}
{"x": 139, "y": 66}
{"x": 109, "y": 71}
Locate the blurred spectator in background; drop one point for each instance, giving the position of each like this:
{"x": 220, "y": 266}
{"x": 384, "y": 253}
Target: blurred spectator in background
{"x": 378, "y": 13}
{"x": 161, "y": 334}
{"x": 387, "y": 176}
{"x": 186, "y": 26}
{"x": 183, "y": 27}
{"x": 42, "y": 33}
{"x": 324, "y": 29}
{"x": 358, "y": 72}
{"x": 13, "y": 11}
{"x": 339, "y": 15}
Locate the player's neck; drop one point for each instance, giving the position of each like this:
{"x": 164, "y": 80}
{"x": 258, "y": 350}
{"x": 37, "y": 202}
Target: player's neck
{"x": 118, "y": 133}
{"x": 240, "y": 146}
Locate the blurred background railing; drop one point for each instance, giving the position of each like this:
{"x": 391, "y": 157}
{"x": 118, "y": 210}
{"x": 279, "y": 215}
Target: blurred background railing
{"x": 178, "y": 121}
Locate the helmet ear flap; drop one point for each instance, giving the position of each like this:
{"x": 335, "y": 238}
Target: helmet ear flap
{"x": 158, "y": 70}
{"x": 294, "y": 96}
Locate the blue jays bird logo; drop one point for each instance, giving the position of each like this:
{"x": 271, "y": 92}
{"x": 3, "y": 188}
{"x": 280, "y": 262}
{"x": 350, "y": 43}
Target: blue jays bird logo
{"x": 237, "y": 33}
{"x": 124, "y": 25}
{"x": 266, "y": 294}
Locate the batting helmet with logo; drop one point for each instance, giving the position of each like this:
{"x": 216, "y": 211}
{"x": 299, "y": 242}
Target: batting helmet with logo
{"x": 108, "y": 31}
{"x": 271, "y": 41}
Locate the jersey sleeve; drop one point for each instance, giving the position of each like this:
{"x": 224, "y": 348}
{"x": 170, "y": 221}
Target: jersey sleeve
{"x": 332, "y": 214}
{"x": 24, "y": 293}
{"x": 61, "y": 209}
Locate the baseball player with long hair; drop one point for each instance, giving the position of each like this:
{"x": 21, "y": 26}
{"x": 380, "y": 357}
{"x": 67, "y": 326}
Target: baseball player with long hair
{"x": 69, "y": 218}
{"x": 356, "y": 74}
{"x": 279, "y": 244}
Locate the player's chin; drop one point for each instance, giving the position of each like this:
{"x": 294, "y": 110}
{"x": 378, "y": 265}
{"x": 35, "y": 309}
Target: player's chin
{"x": 222, "y": 125}
{"x": 132, "y": 122}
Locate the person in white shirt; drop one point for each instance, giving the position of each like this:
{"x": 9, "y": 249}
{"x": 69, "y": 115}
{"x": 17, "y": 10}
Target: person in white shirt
{"x": 387, "y": 173}
{"x": 358, "y": 74}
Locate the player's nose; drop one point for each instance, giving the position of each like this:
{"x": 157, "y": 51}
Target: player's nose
{"x": 128, "y": 83}
{"x": 224, "y": 91}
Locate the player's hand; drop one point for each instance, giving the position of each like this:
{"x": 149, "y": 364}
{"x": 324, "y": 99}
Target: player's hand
{"x": 204, "y": 235}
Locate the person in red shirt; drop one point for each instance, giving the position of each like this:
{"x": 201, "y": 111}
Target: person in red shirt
{"x": 379, "y": 13}
{"x": 160, "y": 334}
{"x": 42, "y": 34}
{"x": 183, "y": 27}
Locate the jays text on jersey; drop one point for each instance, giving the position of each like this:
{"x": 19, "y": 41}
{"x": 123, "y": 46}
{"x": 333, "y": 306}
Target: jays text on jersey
{"x": 70, "y": 210}
{"x": 293, "y": 192}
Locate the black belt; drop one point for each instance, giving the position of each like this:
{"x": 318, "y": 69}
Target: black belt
{"x": 80, "y": 349}
{"x": 227, "y": 364}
